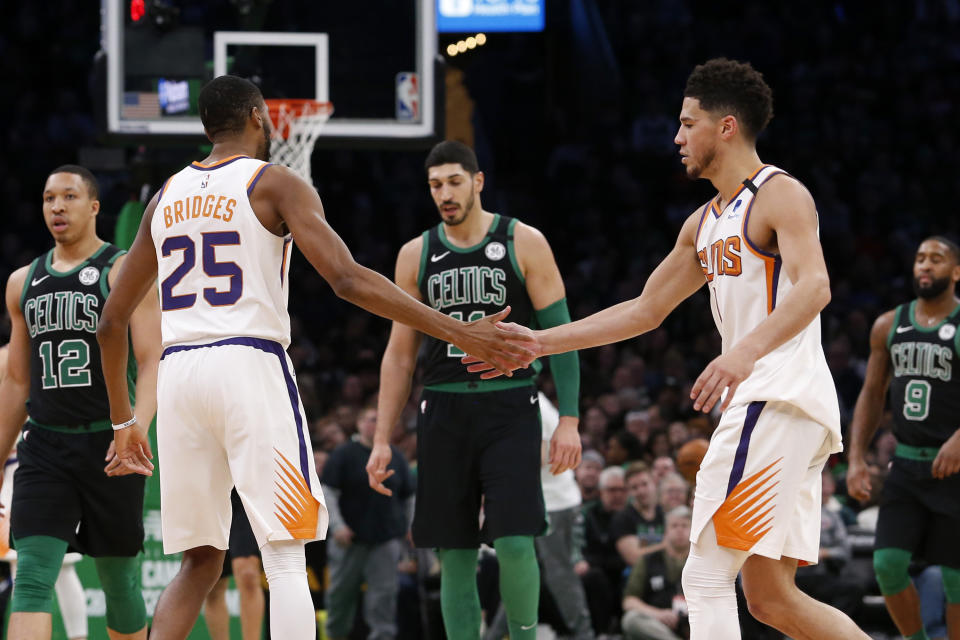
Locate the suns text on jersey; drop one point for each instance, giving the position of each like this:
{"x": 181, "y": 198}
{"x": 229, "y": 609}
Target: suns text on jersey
{"x": 212, "y": 206}
{"x": 723, "y": 258}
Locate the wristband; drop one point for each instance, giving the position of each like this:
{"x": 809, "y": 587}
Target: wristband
{"x": 129, "y": 423}
{"x": 565, "y": 367}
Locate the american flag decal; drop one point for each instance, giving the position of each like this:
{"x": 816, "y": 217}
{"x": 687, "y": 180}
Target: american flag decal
{"x": 138, "y": 105}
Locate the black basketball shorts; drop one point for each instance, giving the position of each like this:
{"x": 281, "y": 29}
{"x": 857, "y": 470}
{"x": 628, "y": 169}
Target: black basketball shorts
{"x": 242, "y": 541}
{"x": 919, "y": 513}
{"x": 478, "y": 450}
{"x": 61, "y": 491}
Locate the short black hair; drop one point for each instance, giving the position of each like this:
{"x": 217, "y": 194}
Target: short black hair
{"x": 951, "y": 246}
{"x": 93, "y": 188}
{"x": 734, "y": 88}
{"x": 452, "y": 152}
{"x": 225, "y": 103}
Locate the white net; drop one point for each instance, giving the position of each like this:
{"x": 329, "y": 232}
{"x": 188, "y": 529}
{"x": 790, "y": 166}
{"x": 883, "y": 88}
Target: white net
{"x": 297, "y": 124}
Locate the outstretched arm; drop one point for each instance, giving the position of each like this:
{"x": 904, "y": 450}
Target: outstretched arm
{"x": 280, "y": 192}
{"x": 672, "y": 282}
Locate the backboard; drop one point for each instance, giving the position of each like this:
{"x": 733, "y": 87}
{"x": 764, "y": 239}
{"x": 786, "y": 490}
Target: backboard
{"x": 376, "y": 62}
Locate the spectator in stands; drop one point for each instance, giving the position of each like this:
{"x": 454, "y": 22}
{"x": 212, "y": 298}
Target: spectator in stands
{"x": 366, "y": 532}
{"x": 639, "y": 525}
{"x": 661, "y": 467}
{"x": 623, "y": 447}
{"x": 653, "y": 604}
{"x": 638, "y": 423}
{"x": 673, "y": 492}
{"x": 601, "y": 569}
{"x": 825, "y": 580}
{"x": 588, "y": 475}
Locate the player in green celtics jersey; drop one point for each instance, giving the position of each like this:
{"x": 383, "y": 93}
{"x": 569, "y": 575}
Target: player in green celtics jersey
{"x": 63, "y": 496}
{"x": 477, "y": 441}
{"x": 915, "y": 353}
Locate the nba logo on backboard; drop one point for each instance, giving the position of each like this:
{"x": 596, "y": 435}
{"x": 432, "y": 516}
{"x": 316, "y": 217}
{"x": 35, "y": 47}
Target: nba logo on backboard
{"x": 408, "y": 97}
{"x": 456, "y": 8}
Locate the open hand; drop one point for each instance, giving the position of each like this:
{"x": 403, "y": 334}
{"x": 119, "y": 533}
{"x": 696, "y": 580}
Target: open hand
{"x": 377, "y": 470}
{"x": 724, "y": 372}
{"x": 565, "y": 446}
{"x": 133, "y": 451}
{"x": 858, "y": 481}
{"x": 521, "y": 340}
{"x": 504, "y": 346}
{"x": 947, "y": 461}
{"x": 114, "y": 466}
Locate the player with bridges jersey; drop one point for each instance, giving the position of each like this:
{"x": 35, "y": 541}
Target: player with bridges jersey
{"x": 218, "y": 237}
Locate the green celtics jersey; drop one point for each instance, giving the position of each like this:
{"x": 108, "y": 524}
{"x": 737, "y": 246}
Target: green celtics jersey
{"x": 469, "y": 283}
{"x": 62, "y": 311}
{"x": 924, "y": 394}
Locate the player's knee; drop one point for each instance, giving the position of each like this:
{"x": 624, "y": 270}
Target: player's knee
{"x": 891, "y": 568}
{"x": 120, "y": 581}
{"x": 951, "y": 584}
{"x": 701, "y": 580}
{"x": 38, "y": 565}
{"x": 246, "y": 573}
{"x": 283, "y": 558}
{"x": 515, "y": 550}
{"x": 770, "y": 606}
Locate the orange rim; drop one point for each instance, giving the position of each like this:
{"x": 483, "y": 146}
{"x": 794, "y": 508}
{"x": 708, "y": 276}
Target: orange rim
{"x": 285, "y": 110}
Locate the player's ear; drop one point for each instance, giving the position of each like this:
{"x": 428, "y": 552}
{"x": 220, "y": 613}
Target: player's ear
{"x": 95, "y": 206}
{"x": 728, "y": 126}
{"x": 478, "y": 181}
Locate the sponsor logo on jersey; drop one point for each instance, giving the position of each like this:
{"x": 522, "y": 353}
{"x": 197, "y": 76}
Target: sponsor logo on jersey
{"x": 438, "y": 257}
{"x": 206, "y": 179}
{"x": 89, "y": 275}
{"x": 495, "y": 251}
{"x": 947, "y": 332}
{"x": 37, "y": 281}
{"x": 903, "y": 329}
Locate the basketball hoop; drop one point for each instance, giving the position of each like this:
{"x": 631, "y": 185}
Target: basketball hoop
{"x": 297, "y": 123}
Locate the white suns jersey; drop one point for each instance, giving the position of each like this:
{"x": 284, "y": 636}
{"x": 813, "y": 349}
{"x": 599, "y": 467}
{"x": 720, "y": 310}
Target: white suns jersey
{"x": 221, "y": 274}
{"x": 746, "y": 283}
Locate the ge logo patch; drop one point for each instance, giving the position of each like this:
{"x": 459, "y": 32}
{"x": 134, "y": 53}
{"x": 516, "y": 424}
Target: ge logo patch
{"x": 947, "y": 331}
{"x": 89, "y": 275}
{"x": 495, "y": 251}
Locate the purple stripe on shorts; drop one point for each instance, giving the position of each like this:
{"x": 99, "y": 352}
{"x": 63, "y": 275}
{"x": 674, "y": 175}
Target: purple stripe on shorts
{"x": 269, "y": 346}
{"x": 740, "y": 459}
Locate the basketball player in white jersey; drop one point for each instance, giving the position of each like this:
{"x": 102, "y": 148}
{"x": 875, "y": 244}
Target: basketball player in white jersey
{"x": 756, "y": 245}
{"x": 217, "y": 239}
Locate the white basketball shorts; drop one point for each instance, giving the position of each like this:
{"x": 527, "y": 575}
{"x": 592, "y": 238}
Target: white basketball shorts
{"x": 760, "y": 481}
{"x": 229, "y": 414}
